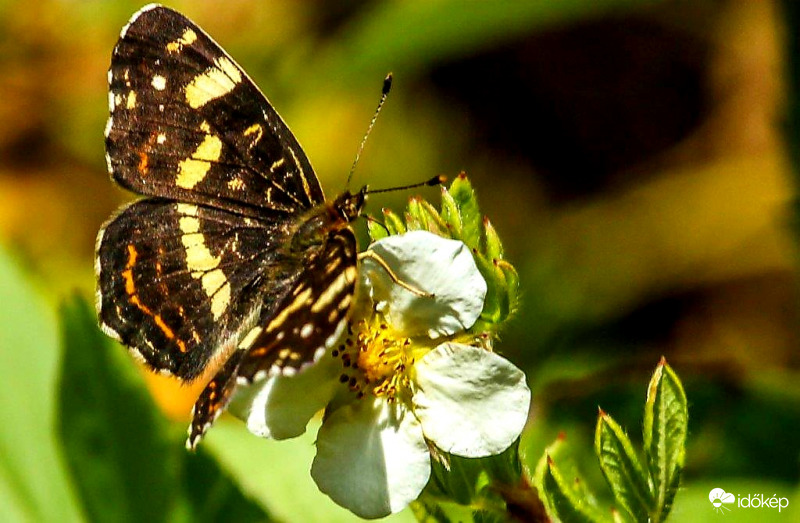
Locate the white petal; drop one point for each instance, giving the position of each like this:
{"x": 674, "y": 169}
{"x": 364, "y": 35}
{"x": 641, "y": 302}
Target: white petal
{"x": 438, "y": 266}
{"x": 280, "y": 407}
{"x": 471, "y": 402}
{"x": 371, "y": 459}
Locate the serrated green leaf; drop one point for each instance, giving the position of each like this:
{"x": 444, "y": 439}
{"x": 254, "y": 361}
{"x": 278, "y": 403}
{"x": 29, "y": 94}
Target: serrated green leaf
{"x": 450, "y": 214}
{"x": 553, "y": 452}
{"x": 494, "y": 247}
{"x": 568, "y": 507}
{"x": 122, "y": 464}
{"x": 393, "y": 222}
{"x": 376, "y": 230}
{"x": 666, "y": 420}
{"x": 464, "y": 197}
{"x": 621, "y": 468}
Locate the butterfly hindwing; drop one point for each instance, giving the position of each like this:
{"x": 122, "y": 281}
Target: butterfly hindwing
{"x": 295, "y": 333}
{"x": 177, "y": 281}
{"x": 310, "y": 318}
{"x": 214, "y": 399}
{"x": 188, "y": 124}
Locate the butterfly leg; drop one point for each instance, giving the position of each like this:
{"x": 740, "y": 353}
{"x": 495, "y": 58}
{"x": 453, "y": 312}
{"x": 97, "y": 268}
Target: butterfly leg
{"x": 372, "y": 255}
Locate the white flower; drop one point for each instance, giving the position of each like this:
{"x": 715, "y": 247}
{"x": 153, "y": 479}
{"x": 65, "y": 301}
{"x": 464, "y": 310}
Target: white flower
{"x": 400, "y": 379}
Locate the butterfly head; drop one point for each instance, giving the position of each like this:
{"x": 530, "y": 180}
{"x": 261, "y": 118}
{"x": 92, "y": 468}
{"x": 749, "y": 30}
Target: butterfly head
{"x": 349, "y": 205}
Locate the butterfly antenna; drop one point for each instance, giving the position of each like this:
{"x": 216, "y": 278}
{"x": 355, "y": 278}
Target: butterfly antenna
{"x": 436, "y": 180}
{"x": 387, "y": 85}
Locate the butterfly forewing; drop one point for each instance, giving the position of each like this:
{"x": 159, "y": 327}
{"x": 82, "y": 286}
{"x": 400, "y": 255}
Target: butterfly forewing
{"x": 235, "y": 256}
{"x": 187, "y": 123}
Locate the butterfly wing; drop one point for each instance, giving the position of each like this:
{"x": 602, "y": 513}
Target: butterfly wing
{"x": 298, "y": 331}
{"x": 187, "y": 123}
{"x": 177, "y": 282}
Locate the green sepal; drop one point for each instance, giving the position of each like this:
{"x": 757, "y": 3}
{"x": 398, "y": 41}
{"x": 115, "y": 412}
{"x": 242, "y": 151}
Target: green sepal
{"x": 450, "y": 214}
{"x": 394, "y": 224}
{"x": 495, "y": 306}
{"x": 494, "y": 247}
{"x": 464, "y": 197}
{"x": 622, "y": 468}
{"x": 377, "y": 231}
{"x": 416, "y": 216}
{"x": 666, "y": 420}
{"x": 435, "y": 223}
{"x": 471, "y": 486}
{"x": 412, "y": 223}
{"x": 512, "y": 284}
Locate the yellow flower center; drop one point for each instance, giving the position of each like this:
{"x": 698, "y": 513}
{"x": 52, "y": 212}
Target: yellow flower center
{"x": 375, "y": 359}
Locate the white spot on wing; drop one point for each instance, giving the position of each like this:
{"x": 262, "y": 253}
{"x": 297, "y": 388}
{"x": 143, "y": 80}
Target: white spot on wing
{"x": 214, "y": 82}
{"x": 159, "y": 82}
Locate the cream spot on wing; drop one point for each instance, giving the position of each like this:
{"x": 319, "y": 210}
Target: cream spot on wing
{"x": 216, "y": 81}
{"x": 131, "y": 100}
{"x": 161, "y": 138}
{"x": 336, "y": 287}
{"x": 298, "y": 302}
{"x": 193, "y": 169}
{"x": 250, "y": 338}
{"x": 201, "y": 263}
{"x": 159, "y": 82}
{"x": 216, "y": 286}
{"x": 307, "y": 330}
{"x": 188, "y": 37}
{"x": 187, "y": 209}
{"x": 236, "y": 184}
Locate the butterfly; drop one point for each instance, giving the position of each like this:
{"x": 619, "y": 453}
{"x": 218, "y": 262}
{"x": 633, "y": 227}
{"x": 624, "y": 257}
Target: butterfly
{"x": 234, "y": 257}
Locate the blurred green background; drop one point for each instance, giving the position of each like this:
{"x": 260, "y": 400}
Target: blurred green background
{"x": 636, "y": 157}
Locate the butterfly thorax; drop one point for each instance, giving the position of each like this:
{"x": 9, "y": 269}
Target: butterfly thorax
{"x": 314, "y": 227}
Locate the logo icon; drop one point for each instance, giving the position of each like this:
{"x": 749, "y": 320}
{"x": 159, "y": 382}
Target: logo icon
{"x": 719, "y": 498}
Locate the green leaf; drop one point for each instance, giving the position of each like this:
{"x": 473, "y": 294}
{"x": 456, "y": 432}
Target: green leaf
{"x": 393, "y": 222}
{"x": 376, "y": 229}
{"x": 621, "y": 468}
{"x": 561, "y": 496}
{"x": 666, "y": 420}
{"x": 34, "y": 484}
{"x": 126, "y": 461}
{"x": 467, "y": 204}
{"x": 211, "y": 495}
{"x": 122, "y": 463}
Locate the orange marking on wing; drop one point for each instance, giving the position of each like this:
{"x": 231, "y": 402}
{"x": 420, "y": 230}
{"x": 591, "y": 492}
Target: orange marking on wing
{"x": 130, "y": 288}
{"x": 143, "y": 160}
